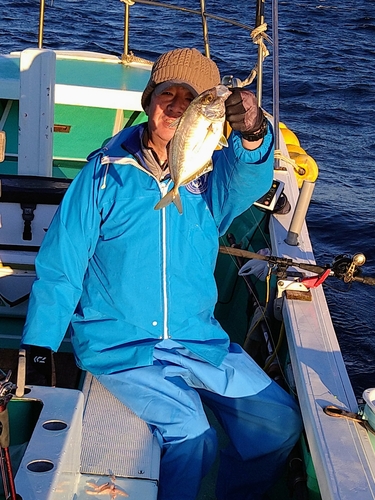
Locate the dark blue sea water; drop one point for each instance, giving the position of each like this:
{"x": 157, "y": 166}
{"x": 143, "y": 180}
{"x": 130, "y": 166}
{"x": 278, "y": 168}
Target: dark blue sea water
{"x": 327, "y": 93}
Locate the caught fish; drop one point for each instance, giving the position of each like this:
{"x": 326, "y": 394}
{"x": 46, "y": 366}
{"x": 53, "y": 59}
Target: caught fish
{"x": 105, "y": 489}
{"x": 198, "y": 133}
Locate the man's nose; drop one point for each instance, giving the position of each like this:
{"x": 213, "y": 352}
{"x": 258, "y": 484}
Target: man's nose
{"x": 178, "y": 105}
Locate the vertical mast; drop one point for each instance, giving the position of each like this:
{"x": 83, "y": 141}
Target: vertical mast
{"x": 259, "y": 20}
{"x": 41, "y": 24}
{"x": 126, "y": 30}
{"x": 276, "y": 96}
{"x": 205, "y": 29}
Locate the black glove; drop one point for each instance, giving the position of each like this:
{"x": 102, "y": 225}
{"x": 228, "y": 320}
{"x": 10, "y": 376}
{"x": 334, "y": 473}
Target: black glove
{"x": 244, "y": 114}
{"x": 40, "y": 366}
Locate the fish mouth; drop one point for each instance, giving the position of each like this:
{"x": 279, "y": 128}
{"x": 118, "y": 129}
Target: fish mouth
{"x": 222, "y": 91}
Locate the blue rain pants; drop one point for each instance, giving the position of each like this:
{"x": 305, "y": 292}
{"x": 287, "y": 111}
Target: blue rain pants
{"x": 261, "y": 420}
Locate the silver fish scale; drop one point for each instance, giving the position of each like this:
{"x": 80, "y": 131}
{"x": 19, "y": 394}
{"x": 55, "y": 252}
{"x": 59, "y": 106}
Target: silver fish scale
{"x": 197, "y": 135}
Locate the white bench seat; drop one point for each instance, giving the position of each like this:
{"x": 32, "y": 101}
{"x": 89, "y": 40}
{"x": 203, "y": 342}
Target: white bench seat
{"x": 114, "y": 440}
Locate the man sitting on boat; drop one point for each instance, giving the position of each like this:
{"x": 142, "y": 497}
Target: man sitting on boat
{"x": 137, "y": 286}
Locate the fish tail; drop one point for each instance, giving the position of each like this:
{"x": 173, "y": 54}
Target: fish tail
{"x": 172, "y": 196}
{"x": 177, "y": 202}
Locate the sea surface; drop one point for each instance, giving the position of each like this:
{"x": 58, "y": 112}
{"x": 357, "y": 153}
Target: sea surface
{"x": 327, "y": 97}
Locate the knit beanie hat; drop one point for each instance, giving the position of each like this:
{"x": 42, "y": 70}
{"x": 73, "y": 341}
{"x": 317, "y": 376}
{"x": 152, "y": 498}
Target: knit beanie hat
{"x": 185, "y": 67}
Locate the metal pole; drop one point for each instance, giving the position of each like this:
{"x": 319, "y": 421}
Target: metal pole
{"x": 7, "y": 472}
{"x": 300, "y": 212}
{"x": 6, "y": 388}
{"x": 259, "y": 20}
{"x": 205, "y": 29}
{"x": 41, "y": 24}
{"x": 276, "y": 96}
{"x": 126, "y": 29}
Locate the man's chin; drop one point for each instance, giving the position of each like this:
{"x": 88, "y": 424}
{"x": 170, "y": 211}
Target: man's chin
{"x": 168, "y": 133}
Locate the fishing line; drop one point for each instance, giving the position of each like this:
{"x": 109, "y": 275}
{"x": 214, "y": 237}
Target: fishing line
{"x": 228, "y": 301}
{"x": 236, "y": 264}
{"x": 275, "y": 346}
{"x": 274, "y": 357}
{"x": 340, "y": 290}
{"x": 259, "y": 306}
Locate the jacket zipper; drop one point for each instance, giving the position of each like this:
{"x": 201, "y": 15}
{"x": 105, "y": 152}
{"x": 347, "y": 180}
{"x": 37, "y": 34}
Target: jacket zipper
{"x": 164, "y": 190}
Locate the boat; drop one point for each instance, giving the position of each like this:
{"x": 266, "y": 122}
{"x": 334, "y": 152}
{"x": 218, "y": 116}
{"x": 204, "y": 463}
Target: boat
{"x": 72, "y": 439}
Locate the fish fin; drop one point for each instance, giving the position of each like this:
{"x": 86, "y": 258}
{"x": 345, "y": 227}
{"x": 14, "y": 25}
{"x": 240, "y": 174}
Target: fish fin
{"x": 165, "y": 201}
{"x": 200, "y": 143}
{"x": 177, "y": 202}
{"x": 207, "y": 167}
{"x": 223, "y": 141}
{"x": 172, "y": 196}
{"x": 204, "y": 170}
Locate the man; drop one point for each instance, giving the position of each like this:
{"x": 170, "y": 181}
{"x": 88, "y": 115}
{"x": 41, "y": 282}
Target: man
{"x": 138, "y": 288}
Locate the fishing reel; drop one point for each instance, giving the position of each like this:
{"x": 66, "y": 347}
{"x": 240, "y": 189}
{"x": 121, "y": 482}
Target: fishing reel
{"x": 6, "y": 388}
{"x": 347, "y": 268}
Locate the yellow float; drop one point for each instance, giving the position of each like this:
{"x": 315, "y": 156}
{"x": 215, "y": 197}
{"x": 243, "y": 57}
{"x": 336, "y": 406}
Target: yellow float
{"x": 306, "y": 168}
{"x": 289, "y": 136}
{"x": 292, "y": 148}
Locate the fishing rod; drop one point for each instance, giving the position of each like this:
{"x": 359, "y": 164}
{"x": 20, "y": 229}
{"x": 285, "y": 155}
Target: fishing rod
{"x": 344, "y": 267}
{"x": 6, "y": 388}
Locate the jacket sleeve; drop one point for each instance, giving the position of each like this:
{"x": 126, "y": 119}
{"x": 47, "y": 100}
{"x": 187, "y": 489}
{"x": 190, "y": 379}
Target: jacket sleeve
{"x": 239, "y": 178}
{"x": 62, "y": 261}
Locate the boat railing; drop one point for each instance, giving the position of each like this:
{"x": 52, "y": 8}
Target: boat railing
{"x": 257, "y": 32}
{"x": 202, "y": 13}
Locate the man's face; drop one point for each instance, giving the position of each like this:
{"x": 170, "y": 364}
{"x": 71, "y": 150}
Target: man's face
{"x": 164, "y": 109}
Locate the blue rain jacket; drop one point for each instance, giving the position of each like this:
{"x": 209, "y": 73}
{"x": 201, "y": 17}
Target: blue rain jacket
{"x": 126, "y": 276}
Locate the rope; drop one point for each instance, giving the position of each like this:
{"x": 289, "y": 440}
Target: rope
{"x": 129, "y": 58}
{"x": 258, "y": 36}
{"x": 279, "y": 156}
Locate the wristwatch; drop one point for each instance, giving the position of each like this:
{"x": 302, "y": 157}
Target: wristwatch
{"x": 259, "y": 134}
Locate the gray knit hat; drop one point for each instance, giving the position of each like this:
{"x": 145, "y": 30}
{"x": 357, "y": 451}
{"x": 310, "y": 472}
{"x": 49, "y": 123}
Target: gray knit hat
{"x": 182, "y": 66}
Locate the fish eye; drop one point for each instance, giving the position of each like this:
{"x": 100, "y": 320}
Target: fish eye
{"x": 207, "y": 99}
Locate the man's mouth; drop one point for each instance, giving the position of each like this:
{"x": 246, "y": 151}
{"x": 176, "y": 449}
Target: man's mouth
{"x": 171, "y": 122}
